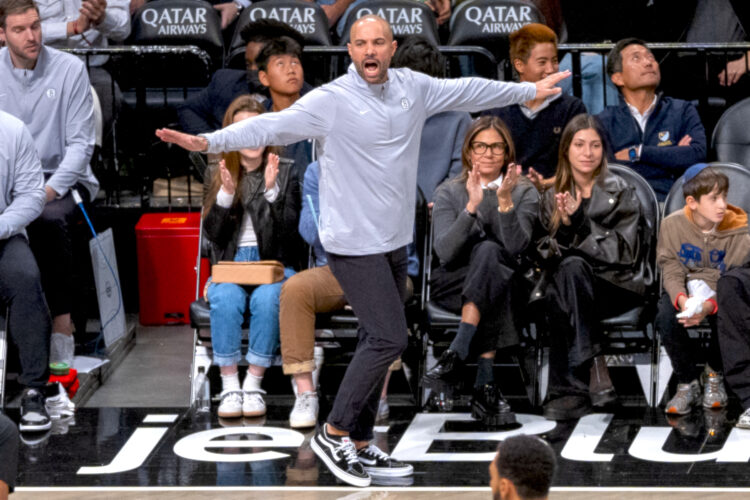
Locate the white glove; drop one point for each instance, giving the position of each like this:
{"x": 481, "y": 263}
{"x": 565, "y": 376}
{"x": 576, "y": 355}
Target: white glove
{"x": 693, "y": 306}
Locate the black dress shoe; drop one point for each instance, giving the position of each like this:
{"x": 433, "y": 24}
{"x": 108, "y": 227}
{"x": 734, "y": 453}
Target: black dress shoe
{"x": 567, "y": 407}
{"x": 489, "y": 406}
{"x": 446, "y": 372}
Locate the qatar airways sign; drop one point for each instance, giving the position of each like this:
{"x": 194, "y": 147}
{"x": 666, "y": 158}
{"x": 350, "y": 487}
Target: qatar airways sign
{"x": 403, "y": 20}
{"x": 301, "y": 19}
{"x": 499, "y": 18}
{"x": 176, "y": 21}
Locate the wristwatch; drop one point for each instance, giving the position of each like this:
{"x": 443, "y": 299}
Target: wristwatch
{"x": 633, "y": 153}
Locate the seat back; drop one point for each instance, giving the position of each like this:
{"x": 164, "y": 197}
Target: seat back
{"x": 307, "y": 18}
{"x": 406, "y": 18}
{"x": 178, "y": 22}
{"x": 489, "y": 23}
{"x": 731, "y": 137}
{"x": 739, "y": 188}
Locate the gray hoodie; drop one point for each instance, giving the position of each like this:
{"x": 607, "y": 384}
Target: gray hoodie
{"x": 54, "y": 101}
{"x": 21, "y": 181}
{"x": 368, "y": 139}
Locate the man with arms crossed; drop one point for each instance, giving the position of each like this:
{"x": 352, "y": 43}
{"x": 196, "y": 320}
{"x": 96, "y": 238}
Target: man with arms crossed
{"x": 368, "y": 124}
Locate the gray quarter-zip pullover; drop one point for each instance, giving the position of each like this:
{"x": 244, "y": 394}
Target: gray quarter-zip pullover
{"x": 22, "y": 194}
{"x": 54, "y": 101}
{"x": 368, "y": 139}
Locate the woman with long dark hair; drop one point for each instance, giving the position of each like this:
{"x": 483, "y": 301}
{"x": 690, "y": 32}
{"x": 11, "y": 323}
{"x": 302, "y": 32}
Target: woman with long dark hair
{"x": 251, "y": 213}
{"x": 589, "y": 244}
{"x": 483, "y": 221}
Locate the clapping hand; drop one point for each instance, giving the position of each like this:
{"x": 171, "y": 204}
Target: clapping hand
{"x": 510, "y": 179}
{"x": 272, "y": 170}
{"x": 566, "y": 206}
{"x": 474, "y": 188}
{"x": 94, "y": 10}
{"x": 227, "y": 182}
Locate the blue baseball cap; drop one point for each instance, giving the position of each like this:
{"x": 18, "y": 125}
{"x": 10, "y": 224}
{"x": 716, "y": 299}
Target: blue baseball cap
{"x": 693, "y": 171}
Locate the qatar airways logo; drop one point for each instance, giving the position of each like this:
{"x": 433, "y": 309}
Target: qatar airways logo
{"x": 176, "y": 21}
{"x": 256, "y": 443}
{"x": 403, "y": 20}
{"x": 499, "y": 19}
{"x": 301, "y": 19}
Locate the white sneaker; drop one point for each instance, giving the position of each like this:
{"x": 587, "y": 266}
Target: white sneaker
{"x": 253, "y": 404}
{"x": 305, "y": 411}
{"x": 231, "y": 404}
{"x": 62, "y": 349}
{"x": 60, "y": 406}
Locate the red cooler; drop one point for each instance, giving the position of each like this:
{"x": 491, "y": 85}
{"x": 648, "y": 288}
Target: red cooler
{"x": 167, "y": 250}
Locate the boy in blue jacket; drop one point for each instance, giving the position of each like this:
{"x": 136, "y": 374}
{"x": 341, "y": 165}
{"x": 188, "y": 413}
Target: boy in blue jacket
{"x": 659, "y": 137}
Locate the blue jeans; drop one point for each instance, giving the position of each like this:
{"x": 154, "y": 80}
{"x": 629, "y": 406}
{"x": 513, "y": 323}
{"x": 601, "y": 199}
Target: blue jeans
{"x": 230, "y": 304}
{"x": 594, "y": 78}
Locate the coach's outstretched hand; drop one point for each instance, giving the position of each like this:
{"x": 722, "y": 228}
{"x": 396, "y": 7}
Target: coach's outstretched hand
{"x": 186, "y": 141}
{"x": 546, "y": 87}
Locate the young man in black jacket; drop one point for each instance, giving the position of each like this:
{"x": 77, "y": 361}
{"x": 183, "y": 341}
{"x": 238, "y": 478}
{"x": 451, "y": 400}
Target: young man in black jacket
{"x": 536, "y": 125}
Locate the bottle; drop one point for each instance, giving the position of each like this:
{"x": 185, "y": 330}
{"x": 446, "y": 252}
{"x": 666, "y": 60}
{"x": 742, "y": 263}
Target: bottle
{"x": 203, "y": 392}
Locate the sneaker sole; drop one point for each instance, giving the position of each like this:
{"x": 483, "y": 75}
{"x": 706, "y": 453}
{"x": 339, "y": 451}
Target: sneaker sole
{"x": 347, "y": 478}
{"x": 714, "y": 405}
{"x": 674, "y": 411}
{"x": 230, "y": 414}
{"x": 301, "y": 424}
{"x": 407, "y": 470}
{"x": 256, "y": 413}
{"x": 35, "y": 427}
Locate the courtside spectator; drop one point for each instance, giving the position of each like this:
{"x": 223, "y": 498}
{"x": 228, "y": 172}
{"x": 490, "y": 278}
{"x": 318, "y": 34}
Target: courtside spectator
{"x": 84, "y": 24}
{"x": 483, "y": 222}
{"x": 9, "y": 452}
{"x": 205, "y": 111}
{"x": 536, "y": 125}
{"x": 697, "y": 245}
{"x": 589, "y": 246}
{"x": 443, "y": 133}
{"x": 252, "y": 210}
{"x": 523, "y": 469}
{"x": 21, "y": 201}
{"x": 280, "y": 69}
{"x": 49, "y": 90}
{"x": 659, "y": 137}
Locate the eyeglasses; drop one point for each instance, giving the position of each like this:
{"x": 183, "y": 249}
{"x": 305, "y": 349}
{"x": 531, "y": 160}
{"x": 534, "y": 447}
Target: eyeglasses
{"x": 479, "y": 148}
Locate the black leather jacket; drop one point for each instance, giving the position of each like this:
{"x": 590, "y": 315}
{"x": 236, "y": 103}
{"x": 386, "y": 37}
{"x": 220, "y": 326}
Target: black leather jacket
{"x": 275, "y": 223}
{"x": 606, "y": 233}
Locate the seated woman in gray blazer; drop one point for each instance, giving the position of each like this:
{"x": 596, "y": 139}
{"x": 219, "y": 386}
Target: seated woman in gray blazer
{"x": 483, "y": 222}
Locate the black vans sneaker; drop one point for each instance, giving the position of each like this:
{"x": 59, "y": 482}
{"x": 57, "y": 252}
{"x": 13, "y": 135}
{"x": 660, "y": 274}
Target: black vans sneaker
{"x": 379, "y": 464}
{"x": 34, "y": 416}
{"x": 340, "y": 456}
